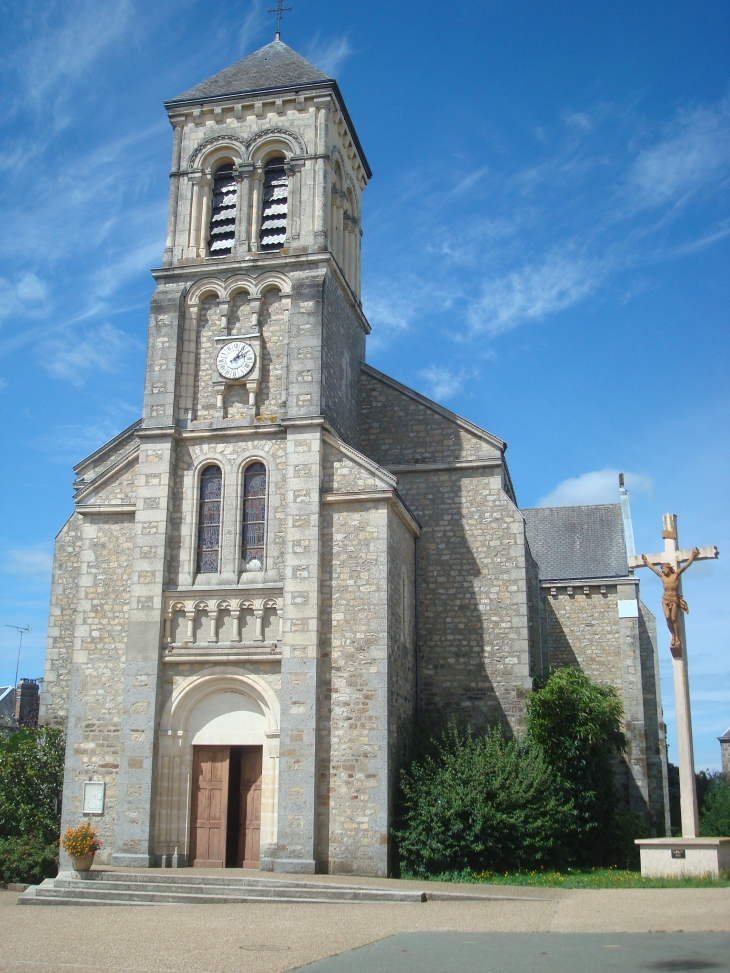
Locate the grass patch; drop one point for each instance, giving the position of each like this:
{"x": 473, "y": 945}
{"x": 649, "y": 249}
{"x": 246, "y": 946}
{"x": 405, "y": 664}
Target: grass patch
{"x": 587, "y": 878}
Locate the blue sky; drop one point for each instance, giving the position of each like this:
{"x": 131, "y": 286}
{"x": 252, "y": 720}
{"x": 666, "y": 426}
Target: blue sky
{"x": 545, "y": 250}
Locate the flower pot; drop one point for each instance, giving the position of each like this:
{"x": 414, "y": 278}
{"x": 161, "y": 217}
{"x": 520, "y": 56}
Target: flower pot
{"x": 83, "y": 862}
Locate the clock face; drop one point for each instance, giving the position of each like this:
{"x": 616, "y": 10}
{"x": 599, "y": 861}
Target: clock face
{"x": 235, "y": 359}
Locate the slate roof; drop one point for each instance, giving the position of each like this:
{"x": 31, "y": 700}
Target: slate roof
{"x": 725, "y": 738}
{"x": 271, "y": 67}
{"x": 577, "y": 543}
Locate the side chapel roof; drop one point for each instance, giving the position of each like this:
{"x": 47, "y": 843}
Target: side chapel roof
{"x": 572, "y": 543}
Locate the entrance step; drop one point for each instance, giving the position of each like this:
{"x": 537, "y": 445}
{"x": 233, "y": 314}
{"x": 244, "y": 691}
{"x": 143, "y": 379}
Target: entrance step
{"x": 118, "y": 887}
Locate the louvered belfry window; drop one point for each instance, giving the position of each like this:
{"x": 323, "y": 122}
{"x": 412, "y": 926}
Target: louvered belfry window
{"x": 223, "y": 212}
{"x": 209, "y": 520}
{"x": 274, "y": 205}
{"x": 254, "y": 516}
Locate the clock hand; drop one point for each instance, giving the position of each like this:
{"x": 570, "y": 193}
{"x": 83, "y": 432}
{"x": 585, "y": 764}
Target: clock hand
{"x": 236, "y": 358}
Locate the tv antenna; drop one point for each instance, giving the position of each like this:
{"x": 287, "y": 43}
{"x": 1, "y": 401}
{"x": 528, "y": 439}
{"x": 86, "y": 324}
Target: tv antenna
{"x": 22, "y": 630}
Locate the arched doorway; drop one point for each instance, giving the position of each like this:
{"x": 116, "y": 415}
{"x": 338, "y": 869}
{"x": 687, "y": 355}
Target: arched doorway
{"x": 218, "y": 772}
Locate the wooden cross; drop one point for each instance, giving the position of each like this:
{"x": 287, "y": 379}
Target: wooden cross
{"x": 674, "y": 607}
{"x": 278, "y": 10}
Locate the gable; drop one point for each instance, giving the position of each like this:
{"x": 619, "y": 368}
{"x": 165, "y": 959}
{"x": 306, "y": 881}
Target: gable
{"x": 400, "y": 427}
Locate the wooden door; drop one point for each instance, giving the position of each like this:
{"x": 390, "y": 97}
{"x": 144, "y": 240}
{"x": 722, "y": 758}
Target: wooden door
{"x": 209, "y": 807}
{"x": 250, "y": 815}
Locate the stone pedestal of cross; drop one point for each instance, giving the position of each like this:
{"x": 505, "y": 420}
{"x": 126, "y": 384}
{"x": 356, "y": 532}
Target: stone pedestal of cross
{"x": 674, "y": 557}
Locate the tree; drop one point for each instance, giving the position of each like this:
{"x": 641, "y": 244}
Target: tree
{"x": 479, "y": 803}
{"x": 577, "y": 726}
{"x": 715, "y": 808}
{"x": 31, "y": 780}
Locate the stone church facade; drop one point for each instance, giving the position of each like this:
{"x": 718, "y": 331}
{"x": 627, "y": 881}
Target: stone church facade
{"x": 292, "y": 557}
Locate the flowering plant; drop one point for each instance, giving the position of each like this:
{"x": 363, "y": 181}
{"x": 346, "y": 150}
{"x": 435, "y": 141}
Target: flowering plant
{"x": 81, "y": 840}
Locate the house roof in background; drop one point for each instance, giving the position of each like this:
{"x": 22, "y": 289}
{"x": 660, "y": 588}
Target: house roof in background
{"x": 572, "y": 543}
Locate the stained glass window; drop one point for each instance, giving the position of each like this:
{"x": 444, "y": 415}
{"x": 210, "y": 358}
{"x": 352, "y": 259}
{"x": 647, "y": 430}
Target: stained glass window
{"x": 223, "y": 212}
{"x": 209, "y": 520}
{"x": 254, "y": 516}
{"x": 274, "y": 205}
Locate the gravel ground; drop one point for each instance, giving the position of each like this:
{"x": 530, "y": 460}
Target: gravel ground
{"x": 271, "y": 938}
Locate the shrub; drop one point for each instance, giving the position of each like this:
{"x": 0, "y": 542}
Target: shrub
{"x": 715, "y": 812}
{"x": 577, "y": 726}
{"x": 621, "y": 851}
{"x": 28, "y": 862}
{"x": 31, "y": 778}
{"x": 479, "y": 802}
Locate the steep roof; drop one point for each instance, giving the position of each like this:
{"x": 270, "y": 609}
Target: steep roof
{"x": 725, "y": 738}
{"x": 271, "y": 67}
{"x": 572, "y": 543}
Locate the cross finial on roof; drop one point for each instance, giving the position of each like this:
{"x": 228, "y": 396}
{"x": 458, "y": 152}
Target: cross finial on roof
{"x": 278, "y": 10}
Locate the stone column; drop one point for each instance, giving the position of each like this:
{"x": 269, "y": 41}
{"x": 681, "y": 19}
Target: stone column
{"x": 206, "y": 188}
{"x": 322, "y": 106}
{"x": 244, "y": 174}
{"x": 295, "y": 850}
{"x": 194, "y": 236}
{"x": 174, "y": 192}
{"x": 257, "y": 186}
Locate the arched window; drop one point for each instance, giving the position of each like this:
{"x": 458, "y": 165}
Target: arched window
{"x": 254, "y": 517}
{"x": 274, "y": 205}
{"x": 209, "y": 520}
{"x": 223, "y": 212}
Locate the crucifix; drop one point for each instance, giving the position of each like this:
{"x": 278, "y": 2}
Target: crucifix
{"x": 278, "y": 10}
{"x": 670, "y": 570}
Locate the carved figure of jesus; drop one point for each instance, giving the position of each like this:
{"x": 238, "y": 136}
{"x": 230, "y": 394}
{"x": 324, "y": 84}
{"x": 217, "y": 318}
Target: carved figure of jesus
{"x": 672, "y": 601}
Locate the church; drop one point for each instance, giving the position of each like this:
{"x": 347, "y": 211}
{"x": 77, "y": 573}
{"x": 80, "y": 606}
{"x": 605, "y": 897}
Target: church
{"x": 292, "y": 558}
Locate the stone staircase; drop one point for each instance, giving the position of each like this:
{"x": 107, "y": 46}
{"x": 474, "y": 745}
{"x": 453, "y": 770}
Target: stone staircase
{"x": 189, "y": 887}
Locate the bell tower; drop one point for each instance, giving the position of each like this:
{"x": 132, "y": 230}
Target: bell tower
{"x": 256, "y": 336}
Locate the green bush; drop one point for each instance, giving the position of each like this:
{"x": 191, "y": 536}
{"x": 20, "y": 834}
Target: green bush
{"x": 28, "y": 862}
{"x": 577, "y": 726}
{"x": 621, "y": 851}
{"x": 479, "y": 802}
{"x": 31, "y": 779}
{"x": 715, "y": 811}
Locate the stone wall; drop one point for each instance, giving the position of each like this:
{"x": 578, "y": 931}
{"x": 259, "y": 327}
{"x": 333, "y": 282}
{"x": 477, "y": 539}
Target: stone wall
{"x": 61, "y": 623}
{"x": 397, "y": 429}
{"x": 352, "y": 764}
{"x": 95, "y": 699}
{"x": 343, "y": 349}
{"x": 473, "y": 577}
{"x": 272, "y": 317}
{"x": 584, "y": 630}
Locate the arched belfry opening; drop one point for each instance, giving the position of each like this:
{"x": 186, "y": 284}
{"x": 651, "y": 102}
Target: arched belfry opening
{"x": 275, "y": 204}
{"x": 223, "y": 211}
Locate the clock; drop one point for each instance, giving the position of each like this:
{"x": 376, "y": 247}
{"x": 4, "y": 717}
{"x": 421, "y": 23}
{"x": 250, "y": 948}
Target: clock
{"x": 235, "y": 359}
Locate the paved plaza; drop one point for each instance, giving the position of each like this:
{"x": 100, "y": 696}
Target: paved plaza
{"x": 576, "y": 931}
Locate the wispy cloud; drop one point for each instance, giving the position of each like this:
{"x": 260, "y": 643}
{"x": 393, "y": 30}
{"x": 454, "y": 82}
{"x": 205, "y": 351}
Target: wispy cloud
{"x": 27, "y": 295}
{"x": 694, "y": 154}
{"x": 532, "y": 293}
{"x": 393, "y": 304}
{"x": 72, "y": 357}
{"x": 598, "y": 486}
{"x": 328, "y": 54}
{"x": 62, "y": 50}
{"x": 446, "y": 383}
{"x": 33, "y": 562}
